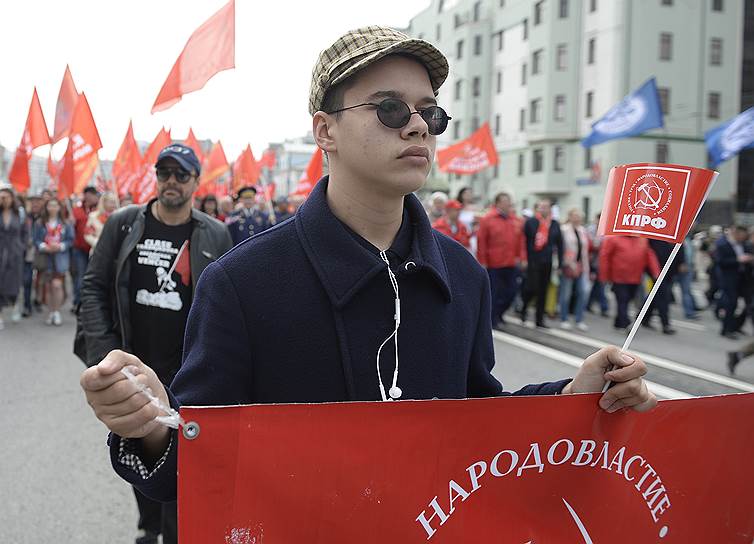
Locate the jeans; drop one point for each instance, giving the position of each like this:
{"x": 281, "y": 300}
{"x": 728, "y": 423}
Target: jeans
{"x": 503, "y": 288}
{"x": 597, "y": 294}
{"x": 28, "y": 282}
{"x": 567, "y": 286}
{"x": 80, "y": 262}
{"x": 684, "y": 281}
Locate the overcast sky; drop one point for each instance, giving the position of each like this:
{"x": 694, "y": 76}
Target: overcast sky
{"x": 121, "y": 52}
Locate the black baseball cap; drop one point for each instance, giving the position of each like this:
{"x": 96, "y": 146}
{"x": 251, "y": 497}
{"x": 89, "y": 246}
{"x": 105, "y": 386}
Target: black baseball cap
{"x": 184, "y": 155}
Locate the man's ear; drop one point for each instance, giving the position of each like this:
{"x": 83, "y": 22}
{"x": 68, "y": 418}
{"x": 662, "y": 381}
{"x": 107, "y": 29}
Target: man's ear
{"x": 322, "y": 129}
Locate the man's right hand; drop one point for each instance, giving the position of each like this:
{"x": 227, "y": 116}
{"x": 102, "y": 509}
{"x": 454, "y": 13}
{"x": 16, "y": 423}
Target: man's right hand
{"x": 120, "y": 405}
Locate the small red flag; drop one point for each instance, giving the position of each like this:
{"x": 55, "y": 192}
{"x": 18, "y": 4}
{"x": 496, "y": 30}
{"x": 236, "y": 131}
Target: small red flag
{"x": 194, "y": 144}
{"x": 35, "y": 134}
{"x": 209, "y": 50}
{"x": 657, "y": 201}
{"x": 246, "y": 170}
{"x": 128, "y": 164}
{"x": 81, "y": 155}
{"x": 67, "y": 98}
{"x": 146, "y": 187}
{"x": 215, "y": 165}
{"x": 183, "y": 264}
{"x": 469, "y": 156}
{"x": 311, "y": 176}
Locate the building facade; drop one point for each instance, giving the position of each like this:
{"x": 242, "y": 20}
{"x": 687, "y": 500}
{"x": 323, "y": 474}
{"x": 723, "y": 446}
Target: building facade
{"x": 540, "y": 72}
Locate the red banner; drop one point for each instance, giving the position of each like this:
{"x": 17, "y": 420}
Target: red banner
{"x": 128, "y": 165}
{"x": 35, "y": 134}
{"x": 516, "y": 469}
{"x": 67, "y": 98}
{"x": 214, "y": 167}
{"x": 246, "y": 170}
{"x": 311, "y": 175}
{"x": 471, "y": 155}
{"x": 657, "y": 201}
{"x": 80, "y": 158}
{"x": 146, "y": 186}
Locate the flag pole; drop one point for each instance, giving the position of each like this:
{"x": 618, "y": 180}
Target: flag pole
{"x": 647, "y": 303}
{"x": 270, "y": 209}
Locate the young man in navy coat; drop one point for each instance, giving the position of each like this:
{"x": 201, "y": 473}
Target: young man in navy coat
{"x": 299, "y": 312}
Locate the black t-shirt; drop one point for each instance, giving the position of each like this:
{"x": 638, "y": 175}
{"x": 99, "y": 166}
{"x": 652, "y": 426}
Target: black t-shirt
{"x": 160, "y": 295}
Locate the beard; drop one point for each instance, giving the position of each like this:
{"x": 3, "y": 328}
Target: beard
{"x": 172, "y": 201}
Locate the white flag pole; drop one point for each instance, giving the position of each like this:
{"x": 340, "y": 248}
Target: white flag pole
{"x": 647, "y": 303}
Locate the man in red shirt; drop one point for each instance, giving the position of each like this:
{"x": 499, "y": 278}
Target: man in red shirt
{"x": 501, "y": 250}
{"x": 449, "y": 225}
{"x": 80, "y": 248}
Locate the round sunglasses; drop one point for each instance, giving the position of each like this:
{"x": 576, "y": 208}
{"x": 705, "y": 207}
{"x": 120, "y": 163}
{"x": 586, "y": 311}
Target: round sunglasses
{"x": 181, "y": 175}
{"x": 395, "y": 113}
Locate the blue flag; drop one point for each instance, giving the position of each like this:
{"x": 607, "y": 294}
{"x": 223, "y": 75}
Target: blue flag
{"x": 731, "y": 137}
{"x": 637, "y": 113}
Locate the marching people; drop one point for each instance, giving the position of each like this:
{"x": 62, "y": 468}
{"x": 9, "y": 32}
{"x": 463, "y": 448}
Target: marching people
{"x": 664, "y": 294}
{"x": 81, "y": 249}
{"x": 451, "y": 226}
{"x": 623, "y": 261}
{"x": 735, "y": 357}
{"x": 108, "y": 203}
{"x": 436, "y": 206}
{"x": 247, "y": 220}
{"x": 597, "y": 292}
{"x": 574, "y": 271}
{"x": 501, "y": 250}
{"x": 543, "y": 239}
{"x": 734, "y": 255}
{"x": 53, "y": 237}
{"x": 33, "y": 213}
{"x": 466, "y": 198}
{"x": 282, "y": 210}
{"x": 158, "y": 251}
{"x": 13, "y": 235}
{"x": 360, "y": 267}
{"x": 210, "y": 206}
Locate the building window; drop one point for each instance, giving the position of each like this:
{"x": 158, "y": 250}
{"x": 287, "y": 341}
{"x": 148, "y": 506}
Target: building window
{"x": 592, "y": 6}
{"x": 457, "y": 21}
{"x": 558, "y": 159}
{"x": 525, "y": 25}
{"x": 563, "y": 9}
{"x": 590, "y": 50}
{"x": 587, "y": 158}
{"x": 458, "y": 89}
{"x": 477, "y": 45}
{"x": 666, "y": 46}
{"x": 664, "y": 94}
{"x": 717, "y": 5}
{"x": 477, "y": 10}
{"x": 438, "y": 32}
{"x": 713, "y": 105}
{"x": 499, "y": 39}
{"x": 456, "y": 129}
{"x": 499, "y": 83}
{"x": 520, "y": 164}
{"x": 662, "y": 154}
{"x": 589, "y": 104}
{"x": 476, "y": 86}
{"x": 523, "y": 74}
{"x": 536, "y": 160}
{"x": 716, "y": 52}
{"x": 535, "y": 111}
{"x": 459, "y": 49}
{"x": 536, "y": 61}
{"x": 561, "y": 57}
{"x": 497, "y": 125}
{"x": 474, "y": 123}
{"x": 522, "y": 119}
{"x": 559, "y": 110}
{"x": 538, "y": 12}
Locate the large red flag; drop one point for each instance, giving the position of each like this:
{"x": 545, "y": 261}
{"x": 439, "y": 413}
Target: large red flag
{"x": 67, "y": 98}
{"x": 146, "y": 187}
{"x": 469, "y": 156}
{"x": 128, "y": 164}
{"x": 215, "y": 165}
{"x": 35, "y": 134}
{"x": 246, "y": 170}
{"x": 81, "y": 155}
{"x": 311, "y": 176}
{"x": 268, "y": 159}
{"x": 194, "y": 144}
{"x": 209, "y": 50}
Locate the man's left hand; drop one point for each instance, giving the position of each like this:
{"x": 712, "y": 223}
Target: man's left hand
{"x": 628, "y": 391}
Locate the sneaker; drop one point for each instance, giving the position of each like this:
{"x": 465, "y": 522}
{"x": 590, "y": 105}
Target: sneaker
{"x": 565, "y": 325}
{"x": 668, "y": 330}
{"x": 49, "y": 319}
{"x": 733, "y": 360}
{"x": 583, "y": 327}
{"x": 15, "y": 317}
{"x": 730, "y": 335}
{"x": 542, "y": 325}
{"x": 57, "y": 320}
{"x": 145, "y": 537}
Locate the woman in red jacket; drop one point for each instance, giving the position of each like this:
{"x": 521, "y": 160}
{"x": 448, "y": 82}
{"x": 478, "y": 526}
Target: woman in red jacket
{"x": 623, "y": 261}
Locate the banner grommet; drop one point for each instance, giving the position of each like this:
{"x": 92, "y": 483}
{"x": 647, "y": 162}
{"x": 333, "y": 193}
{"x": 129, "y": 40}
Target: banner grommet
{"x": 191, "y": 430}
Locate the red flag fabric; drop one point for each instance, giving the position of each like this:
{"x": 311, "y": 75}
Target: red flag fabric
{"x": 146, "y": 186}
{"x": 67, "y": 98}
{"x": 35, "y": 134}
{"x": 311, "y": 176}
{"x": 128, "y": 165}
{"x": 268, "y": 159}
{"x": 471, "y": 155}
{"x": 81, "y": 154}
{"x": 515, "y": 469}
{"x": 52, "y": 169}
{"x": 246, "y": 170}
{"x": 209, "y": 50}
{"x": 268, "y": 191}
{"x": 194, "y": 144}
{"x": 215, "y": 165}
{"x": 183, "y": 264}
{"x": 659, "y": 201}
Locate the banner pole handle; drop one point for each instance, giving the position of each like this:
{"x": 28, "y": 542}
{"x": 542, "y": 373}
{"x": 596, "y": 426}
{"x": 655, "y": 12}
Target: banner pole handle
{"x": 647, "y": 303}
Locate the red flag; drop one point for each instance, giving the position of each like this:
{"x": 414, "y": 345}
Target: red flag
{"x": 311, "y": 176}
{"x": 52, "y": 169}
{"x": 268, "y": 159}
{"x": 559, "y": 472}
{"x": 35, "y": 134}
{"x": 67, "y": 98}
{"x": 471, "y": 155}
{"x": 657, "y": 201}
{"x": 246, "y": 170}
{"x": 194, "y": 144}
{"x": 268, "y": 191}
{"x": 146, "y": 186}
{"x": 209, "y": 50}
{"x": 81, "y": 155}
{"x": 215, "y": 165}
{"x": 128, "y": 165}
{"x": 183, "y": 264}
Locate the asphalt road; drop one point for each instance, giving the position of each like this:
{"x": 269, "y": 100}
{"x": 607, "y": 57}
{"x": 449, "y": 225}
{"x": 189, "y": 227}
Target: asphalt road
{"x": 56, "y": 481}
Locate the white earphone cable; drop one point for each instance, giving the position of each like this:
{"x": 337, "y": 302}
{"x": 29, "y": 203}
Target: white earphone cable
{"x": 395, "y": 391}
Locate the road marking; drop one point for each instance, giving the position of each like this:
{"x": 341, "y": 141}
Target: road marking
{"x": 689, "y": 325}
{"x": 576, "y": 362}
{"x": 661, "y": 362}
